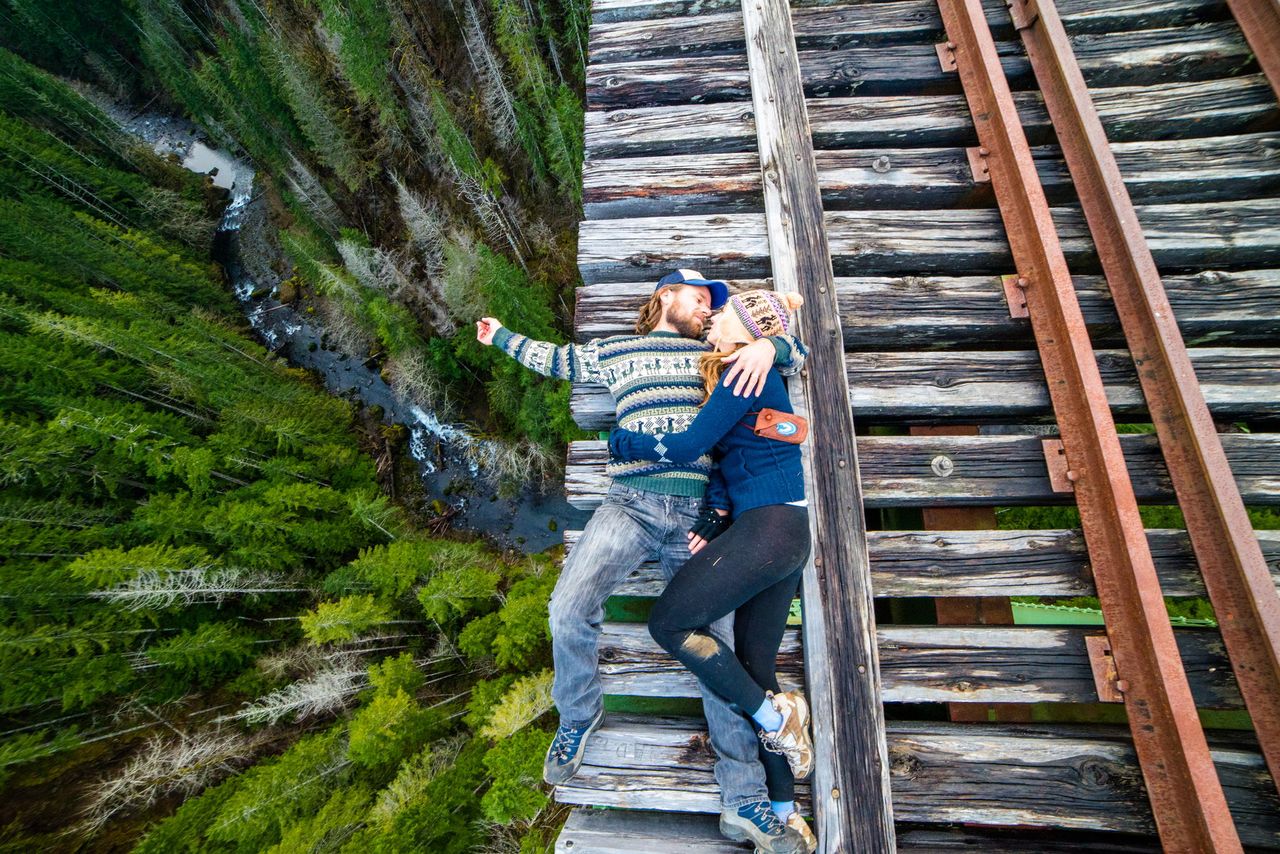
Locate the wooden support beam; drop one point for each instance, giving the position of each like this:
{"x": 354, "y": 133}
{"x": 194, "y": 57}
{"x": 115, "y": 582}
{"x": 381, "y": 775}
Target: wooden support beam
{"x": 1144, "y": 57}
{"x": 882, "y": 314}
{"x": 1087, "y": 16}
{"x": 834, "y": 26}
{"x": 591, "y": 831}
{"x": 1012, "y": 775}
{"x": 1181, "y": 110}
{"x": 975, "y": 471}
{"x": 946, "y": 564}
{"x": 964, "y": 666}
{"x": 878, "y": 242}
{"x": 992, "y": 386}
{"x": 1163, "y": 172}
{"x": 852, "y": 804}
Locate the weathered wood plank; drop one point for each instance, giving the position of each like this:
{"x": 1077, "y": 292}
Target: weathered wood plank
{"x": 836, "y": 26}
{"x": 615, "y": 831}
{"x": 899, "y": 471}
{"x": 589, "y": 831}
{"x": 1009, "y": 386}
{"x": 850, "y": 755}
{"x": 1196, "y": 170}
{"x": 924, "y": 313}
{"x": 994, "y": 563}
{"x": 936, "y": 664}
{"x": 1086, "y": 16}
{"x": 1129, "y": 113}
{"x": 1145, "y": 57}
{"x": 991, "y": 774}
{"x": 733, "y": 246}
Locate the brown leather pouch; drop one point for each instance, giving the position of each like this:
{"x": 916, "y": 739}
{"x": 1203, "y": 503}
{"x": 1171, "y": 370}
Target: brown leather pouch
{"x": 783, "y": 426}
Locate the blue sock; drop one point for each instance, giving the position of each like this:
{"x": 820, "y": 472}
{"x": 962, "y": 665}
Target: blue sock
{"x": 783, "y": 809}
{"x": 767, "y": 716}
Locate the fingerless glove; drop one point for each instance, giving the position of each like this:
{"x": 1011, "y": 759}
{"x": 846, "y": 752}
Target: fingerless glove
{"x": 710, "y": 524}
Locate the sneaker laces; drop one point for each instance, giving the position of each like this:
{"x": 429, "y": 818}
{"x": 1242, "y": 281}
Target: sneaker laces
{"x": 772, "y": 743}
{"x": 566, "y": 741}
{"x": 761, "y": 814}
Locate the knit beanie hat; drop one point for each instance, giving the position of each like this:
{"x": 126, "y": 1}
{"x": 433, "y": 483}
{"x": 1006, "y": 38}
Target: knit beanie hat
{"x": 765, "y": 313}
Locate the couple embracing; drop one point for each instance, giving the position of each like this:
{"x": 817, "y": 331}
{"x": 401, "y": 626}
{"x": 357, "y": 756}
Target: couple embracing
{"x": 706, "y": 480}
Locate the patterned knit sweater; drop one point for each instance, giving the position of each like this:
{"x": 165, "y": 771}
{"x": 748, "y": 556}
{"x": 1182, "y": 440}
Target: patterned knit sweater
{"x": 655, "y": 383}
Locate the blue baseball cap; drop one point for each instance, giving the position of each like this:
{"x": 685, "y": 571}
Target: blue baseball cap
{"x": 719, "y": 290}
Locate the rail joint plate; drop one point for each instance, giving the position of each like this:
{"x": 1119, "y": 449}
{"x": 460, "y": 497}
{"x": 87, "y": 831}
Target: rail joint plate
{"x": 1061, "y": 477}
{"x": 1105, "y": 677}
{"x": 947, "y": 56}
{"x": 1015, "y": 295}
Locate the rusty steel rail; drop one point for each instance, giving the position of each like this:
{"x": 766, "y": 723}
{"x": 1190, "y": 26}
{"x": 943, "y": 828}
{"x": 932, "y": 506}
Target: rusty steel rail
{"x": 1186, "y": 797}
{"x": 1259, "y": 20}
{"x": 1235, "y": 572}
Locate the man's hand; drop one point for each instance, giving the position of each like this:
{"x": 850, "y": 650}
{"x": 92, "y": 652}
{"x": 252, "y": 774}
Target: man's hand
{"x": 486, "y": 328}
{"x": 708, "y": 526}
{"x": 751, "y": 366}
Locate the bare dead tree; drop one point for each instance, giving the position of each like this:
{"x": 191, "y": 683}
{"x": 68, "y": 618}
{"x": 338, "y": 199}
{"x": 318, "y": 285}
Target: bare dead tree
{"x": 182, "y": 764}
{"x": 154, "y": 589}
{"x": 328, "y": 690}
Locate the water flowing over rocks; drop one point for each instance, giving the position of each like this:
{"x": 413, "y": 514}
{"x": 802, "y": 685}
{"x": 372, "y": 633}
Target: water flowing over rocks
{"x": 449, "y": 456}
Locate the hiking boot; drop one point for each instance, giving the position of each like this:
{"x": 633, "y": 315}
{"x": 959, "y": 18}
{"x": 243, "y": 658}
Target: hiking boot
{"x": 792, "y": 739}
{"x": 756, "y": 823}
{"x": 797, "y": 823}
{"x": 564, "y": 756}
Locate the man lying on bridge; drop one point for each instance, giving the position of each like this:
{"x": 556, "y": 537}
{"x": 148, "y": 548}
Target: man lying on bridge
{"x": 648, "y": 514}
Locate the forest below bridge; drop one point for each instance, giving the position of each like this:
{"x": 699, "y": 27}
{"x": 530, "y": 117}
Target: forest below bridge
{"x": 231, "y": 620}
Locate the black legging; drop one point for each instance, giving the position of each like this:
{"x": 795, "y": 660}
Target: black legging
{"x": 753, "y": 570}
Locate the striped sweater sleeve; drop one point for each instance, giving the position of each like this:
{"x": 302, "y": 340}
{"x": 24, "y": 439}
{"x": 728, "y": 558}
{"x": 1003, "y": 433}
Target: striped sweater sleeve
{"x": 573, "y": 362}
{"x": 791, "y": 354}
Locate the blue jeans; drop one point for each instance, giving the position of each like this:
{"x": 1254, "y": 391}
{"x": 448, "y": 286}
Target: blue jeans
{"x": 630, "y": 527}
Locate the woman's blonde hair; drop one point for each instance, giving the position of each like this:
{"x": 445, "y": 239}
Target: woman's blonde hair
{"x": 710, "y": 368}
{"x": 652, "y": 311}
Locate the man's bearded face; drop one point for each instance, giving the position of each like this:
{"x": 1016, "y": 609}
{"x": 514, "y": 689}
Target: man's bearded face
{"x": 689, "y": 310}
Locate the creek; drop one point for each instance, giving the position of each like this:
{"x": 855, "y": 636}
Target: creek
{"x": 446, "y": 454}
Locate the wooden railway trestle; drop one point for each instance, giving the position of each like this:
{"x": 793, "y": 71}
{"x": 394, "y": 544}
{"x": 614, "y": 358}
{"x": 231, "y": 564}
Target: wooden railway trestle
{"x": 857, "y": 176}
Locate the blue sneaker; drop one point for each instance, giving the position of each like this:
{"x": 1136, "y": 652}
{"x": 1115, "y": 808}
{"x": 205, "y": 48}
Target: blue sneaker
{"x": 756, "y": 823}
{"x": 564, "y": 756}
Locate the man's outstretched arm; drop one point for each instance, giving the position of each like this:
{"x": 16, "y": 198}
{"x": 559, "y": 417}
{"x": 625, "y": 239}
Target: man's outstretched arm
{"x": 573, "y": 362}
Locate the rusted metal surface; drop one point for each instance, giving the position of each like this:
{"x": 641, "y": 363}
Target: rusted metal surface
{"x": 1235, "y": 572}
{"x": 978, "y": 165}
{"x": 1061, "y": 478}
{"x": 1186, "y": 797}
{"x": 1259, "y": 20}
{"x": 1105, "y": 678}
{"x": 1015, "y": 294}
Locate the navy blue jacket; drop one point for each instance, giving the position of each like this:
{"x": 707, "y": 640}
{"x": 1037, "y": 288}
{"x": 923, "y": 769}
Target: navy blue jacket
{"x": 757, "y": 471}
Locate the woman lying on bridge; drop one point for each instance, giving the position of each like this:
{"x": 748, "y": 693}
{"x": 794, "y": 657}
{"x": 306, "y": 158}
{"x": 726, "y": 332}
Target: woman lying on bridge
{"x": 749, "y": 566}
